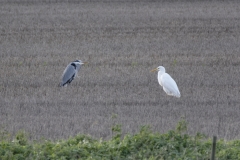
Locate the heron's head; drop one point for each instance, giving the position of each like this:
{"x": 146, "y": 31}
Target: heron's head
{"x": 160, "y": 68}
{"x": 79, "y": 62}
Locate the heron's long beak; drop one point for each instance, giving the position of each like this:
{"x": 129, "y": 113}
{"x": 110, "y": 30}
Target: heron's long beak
{"x": 84, "y": 62}
{"x": 154, "y": 70}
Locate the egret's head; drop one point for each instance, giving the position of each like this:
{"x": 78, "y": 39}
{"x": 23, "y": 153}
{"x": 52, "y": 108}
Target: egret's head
{"x": 160, "y": 68}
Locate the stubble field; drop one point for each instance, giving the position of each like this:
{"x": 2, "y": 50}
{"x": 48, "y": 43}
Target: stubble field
{"x": 197, "y": 43}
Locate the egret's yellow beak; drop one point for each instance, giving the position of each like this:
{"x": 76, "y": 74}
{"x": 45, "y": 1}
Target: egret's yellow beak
{"x": 154, "y": 70}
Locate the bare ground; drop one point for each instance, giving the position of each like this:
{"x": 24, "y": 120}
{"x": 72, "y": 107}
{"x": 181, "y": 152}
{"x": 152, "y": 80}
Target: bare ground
{"x": 197, "y": 43}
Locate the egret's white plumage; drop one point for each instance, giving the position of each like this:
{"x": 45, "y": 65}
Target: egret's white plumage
{"x": 70, "y": 72}
{"x": 166, "y": 81}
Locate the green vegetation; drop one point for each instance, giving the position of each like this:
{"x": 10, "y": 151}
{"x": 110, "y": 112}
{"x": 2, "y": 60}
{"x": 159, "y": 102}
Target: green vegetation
{"x": 174, "y": 144}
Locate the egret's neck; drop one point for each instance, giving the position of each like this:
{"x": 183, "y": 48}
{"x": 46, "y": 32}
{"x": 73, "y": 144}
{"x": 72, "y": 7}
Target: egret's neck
{"x": 160, "y": 73}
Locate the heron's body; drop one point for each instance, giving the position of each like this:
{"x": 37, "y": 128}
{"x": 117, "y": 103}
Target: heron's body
{"x": 70, "y": 72}
{"x": 167, "y": 82}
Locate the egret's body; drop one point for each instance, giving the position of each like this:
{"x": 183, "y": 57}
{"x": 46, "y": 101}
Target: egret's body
{"x": 167, "y": 82}
{"x": 70, "y": 72}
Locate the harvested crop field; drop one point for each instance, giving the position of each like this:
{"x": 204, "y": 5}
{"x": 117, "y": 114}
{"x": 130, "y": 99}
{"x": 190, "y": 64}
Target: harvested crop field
{"x": 197, "y": 42}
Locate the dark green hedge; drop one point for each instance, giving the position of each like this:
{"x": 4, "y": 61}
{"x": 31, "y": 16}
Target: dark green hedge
{"x": 143, "y": 145}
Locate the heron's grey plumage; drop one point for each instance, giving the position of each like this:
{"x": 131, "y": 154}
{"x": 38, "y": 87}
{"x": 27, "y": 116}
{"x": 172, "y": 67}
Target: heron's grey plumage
{"x": 70, "y": 72}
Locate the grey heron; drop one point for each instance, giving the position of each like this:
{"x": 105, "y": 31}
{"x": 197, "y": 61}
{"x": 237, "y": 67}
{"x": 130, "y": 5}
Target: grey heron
{"x": 167, "y": 82}
{"x": 70, "y": 72}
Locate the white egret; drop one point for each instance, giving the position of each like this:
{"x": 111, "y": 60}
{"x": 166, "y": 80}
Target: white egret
{"x": 166, "y": 81}
{"x": 70, "y": 72}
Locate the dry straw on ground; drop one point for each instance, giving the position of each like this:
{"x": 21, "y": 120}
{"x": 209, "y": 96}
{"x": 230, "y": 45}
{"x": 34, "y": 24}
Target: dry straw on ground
{"x": 197, "y": 42}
